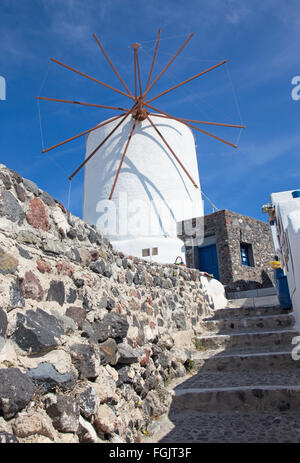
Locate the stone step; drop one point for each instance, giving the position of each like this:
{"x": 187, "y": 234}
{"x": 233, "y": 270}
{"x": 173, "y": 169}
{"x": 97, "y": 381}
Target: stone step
{"x": 261, "y": 398}
{"x": 247, "y": 340}
{"x": 243, "y": 378}
{"x": 253, "y": 293}
{"x": 241, "y": 359}
{"x": 265, "y": 301}
{"x": 256, "y": 323}
{"x": 191, "y": 426}
{"x": 241, "y": 312}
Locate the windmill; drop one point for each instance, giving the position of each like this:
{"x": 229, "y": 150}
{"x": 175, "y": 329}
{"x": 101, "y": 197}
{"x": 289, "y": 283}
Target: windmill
{"x": 142, "y": 133}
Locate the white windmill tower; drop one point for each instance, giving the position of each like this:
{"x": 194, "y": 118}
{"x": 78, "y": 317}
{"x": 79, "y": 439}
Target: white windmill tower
{"x": 140, "y": 185}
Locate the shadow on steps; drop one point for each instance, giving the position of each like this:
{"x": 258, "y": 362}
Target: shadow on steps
{"x": 247, "y": 384}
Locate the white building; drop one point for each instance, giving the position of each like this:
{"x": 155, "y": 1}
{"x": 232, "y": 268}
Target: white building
{"x": 286, "y": 237}
{"x": 153, "y": 192}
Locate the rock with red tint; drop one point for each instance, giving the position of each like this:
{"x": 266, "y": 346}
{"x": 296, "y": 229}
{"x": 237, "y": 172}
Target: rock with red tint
{"x": 43, "y": 266}
{"x": 149, "y": 300}
{"x": 145, "y": 358}
{"x": 62, "y": 207}
{"x": 37, "y": 216}
{"x": 31, "y": 287}
{"x": 64, "y": 268}
{"x": 118, "y": 308}
{"x": 78, "y": 315}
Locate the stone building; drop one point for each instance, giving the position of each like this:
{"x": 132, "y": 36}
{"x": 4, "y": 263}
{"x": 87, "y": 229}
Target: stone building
{"x": 236, "y": 249}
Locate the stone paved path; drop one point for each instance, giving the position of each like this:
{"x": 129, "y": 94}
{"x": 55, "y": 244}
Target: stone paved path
{"x": 187, "y": 426}
{"x": 246, "y": 387}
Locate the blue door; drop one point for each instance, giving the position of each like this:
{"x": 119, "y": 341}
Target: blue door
{"x": 208, "y": 260}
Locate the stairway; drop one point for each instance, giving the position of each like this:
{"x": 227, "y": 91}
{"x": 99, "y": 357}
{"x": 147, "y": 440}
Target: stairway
{"x": 247, "y": 385}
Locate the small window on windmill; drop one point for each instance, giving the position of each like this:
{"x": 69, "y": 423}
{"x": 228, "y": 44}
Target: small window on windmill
{"x": 154, "y": 251}
{"x": 146, "y": 252}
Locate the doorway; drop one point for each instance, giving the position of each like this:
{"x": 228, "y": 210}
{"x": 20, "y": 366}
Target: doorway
{"x": 208, "y": 260}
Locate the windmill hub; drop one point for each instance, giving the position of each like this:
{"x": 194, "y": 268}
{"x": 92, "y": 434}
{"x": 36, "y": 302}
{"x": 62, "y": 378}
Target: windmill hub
{"x": 140, "y": 113}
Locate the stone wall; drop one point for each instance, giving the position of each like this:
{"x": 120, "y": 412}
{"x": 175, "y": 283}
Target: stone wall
{"x": 88, "y": 337}
{"x": 230, "y": 230}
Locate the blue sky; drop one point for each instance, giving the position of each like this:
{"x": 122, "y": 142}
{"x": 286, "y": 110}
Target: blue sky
{"x": 260, "y": 40}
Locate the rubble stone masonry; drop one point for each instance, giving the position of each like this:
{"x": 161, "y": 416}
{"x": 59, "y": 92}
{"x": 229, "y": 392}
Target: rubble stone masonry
{"x": 89, "y": 337}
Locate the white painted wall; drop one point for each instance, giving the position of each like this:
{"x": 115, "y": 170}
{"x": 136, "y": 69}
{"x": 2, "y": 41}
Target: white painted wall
{"x": 216, "y": 291}
{"x": 152, "y": 194}
{"x": 287, "y": 212}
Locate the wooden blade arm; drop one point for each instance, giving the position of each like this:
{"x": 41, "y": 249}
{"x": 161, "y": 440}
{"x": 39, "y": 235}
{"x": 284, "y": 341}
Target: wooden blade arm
{"x": 107, "y": 57}
{"x": 201, "y": 122}
{"x": 91, "y": 78}
{"x": 154, "y": 58}
{"x": 82, "y": 133}
{"x": 188, "y": 80}
{"x": 170, "y": 149}
{"x": 139, "y": 74}
{"x": 135, "y": 76}
{"x": 122, "y": 159}
{"x": 81, "y": 103}
{"x": 192, "y": 126}
{"x": 102, "y": 143}
{"x": 167, "y": 66}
